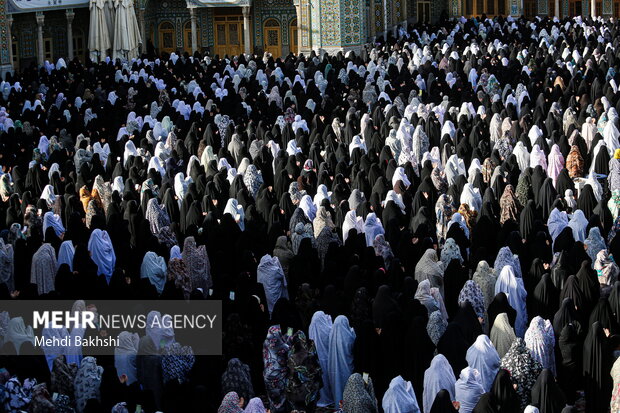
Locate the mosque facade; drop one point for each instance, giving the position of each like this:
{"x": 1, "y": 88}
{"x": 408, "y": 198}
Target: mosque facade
{"x": 33, "y": 31}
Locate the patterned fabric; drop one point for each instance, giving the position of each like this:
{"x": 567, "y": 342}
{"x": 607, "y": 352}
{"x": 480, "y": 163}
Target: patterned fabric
{"x": 540, "y": 340}
{"x": 253, "y": 180}
{"x": 304, "y": 371}
{"x": 510, "y": 205}
{"x": 488, "y": 166}
{"x": 120, "y": 408}
{"x": 94, "y": 208}
{"x": 41, "y": 401}
{"x": 486, "y": 280}
{"x": 594, "y": 243}
{"x": 177, "y": 271}
{"x": 430, "y": 268}
{"x": 382, "y": 249}
{"x": 615, "y": 395}
{"x": 436, "y": 326}
{"x": 506, "y": 257}
{"x": 574, "y": 162}
{"x": 166, "y": 237}
{"x": 237, "y": 378}
{"x": 15, "y": 396}
{"x": 322, "y": 220}
{"x": 63, "y": 376}
{"x": 438, "y": 178}
{"x": 444, "y": 211}
{"x": 524, "y": 190}
{"x": 323, "y": 241}
{"x": 606, "y": 268}
{"x": 87, "y": 382}
{"x": 275, "y": 373}
{"x": 471, "y": 292}
{"x": 43, "y": 269}
{"x": 230, "y": 404}
{"x": 523, "y": 368}
{"x": 614, "y": 203}
{"x": 62, "y": 404}
{"x": 449, "y": 252}
{"x": 176, "y": 362}
{"x": 157, "y": 216}
{"x": 359, "y": 396}
{"x": 198, "y": 265}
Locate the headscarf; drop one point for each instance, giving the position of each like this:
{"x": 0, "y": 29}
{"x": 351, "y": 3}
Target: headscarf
{"x": 43, "y": 269}
{"x": 271, "y": 275}
{"x": 468, "y": 389}
{"x": 606, "y": 268}
{"x": 510, "y": 206}
{"x": 400, "y": 397}
{"x": 17, "y": 333}
{"x": 372, "y": 228}
{"x": 359, "y": 396}
{"x": 319, "y": 331}
{"x": 236, "y": 211}
{"x": 340, "y": 358}
{"x": 437, "y": 377}
{"x": 472, "y": 293}
{"x": 87, "y": 382}
{"x": 449, "y": 252}
{"x": 430, "y": 268}
{"x": 51, "y": 220}
{"x": 505, "y": 257}
{"x": 547, "y": 394}
{"x": 558, "y": 220}
{"x": 486, "y": 279}
{"x": 125, "y": 356}
{"x": 502, "y": 334}
{"x": 255, "y": 405}
{"x": 523, "y": 368}
{"x": 154, "y": 268}
{"x": 198, "y": 266}
{"x": 540, "y": 340}
{"x": 483, "y": 357}
{"x": 102, "y": 253}
{"x": 237, "y": 378}
{"x": 230, "y": 404}
{"x": 436, "y": 326}
{"x": 157, "y": 215}
{"x": 594, "y": 243}
{"x": 65, "y": 255}
{"x": 275, "y": 372}
{"x": 513, "y": 287}
{"x": 578, "y": 224}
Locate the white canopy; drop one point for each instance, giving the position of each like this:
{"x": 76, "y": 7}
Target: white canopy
{"x": 126, "y": 32}
{"x": 98, "y": 35}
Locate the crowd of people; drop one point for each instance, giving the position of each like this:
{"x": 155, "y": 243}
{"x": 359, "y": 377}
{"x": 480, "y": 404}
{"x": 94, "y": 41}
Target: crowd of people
{"x": 429, "y": 225}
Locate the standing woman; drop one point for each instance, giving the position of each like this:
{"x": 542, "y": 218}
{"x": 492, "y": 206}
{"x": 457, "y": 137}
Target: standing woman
{"x": 319, "y": 331}
{"x": 102, "y": 253}
{"x": 597, "y": 363}
{"x": 340, "y": 359}
{"x": 275, "y": 353}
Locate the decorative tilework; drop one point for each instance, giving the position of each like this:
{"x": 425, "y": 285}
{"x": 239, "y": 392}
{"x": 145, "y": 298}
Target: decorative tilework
{"x": 178, "y": 30}
{"x": 4, "y": 35}
{"x": 304, "y": 10}
{"x": 607, "y": 7}
{"x": 203, "y": 24}
{"x": 543, "y": 6}
{"x": 564, "y": 7}
{"x": 352, "y": 25}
